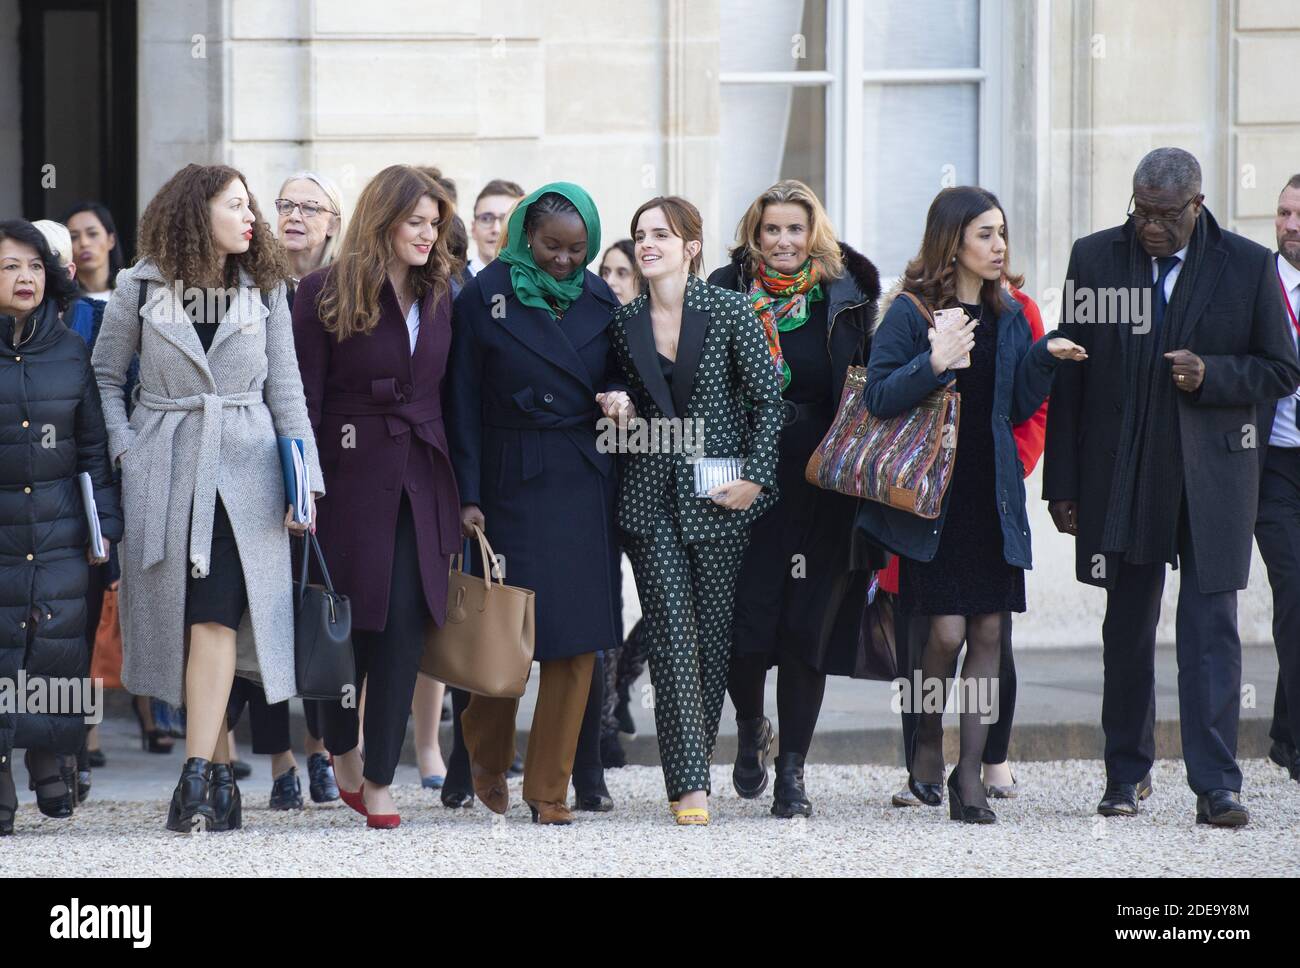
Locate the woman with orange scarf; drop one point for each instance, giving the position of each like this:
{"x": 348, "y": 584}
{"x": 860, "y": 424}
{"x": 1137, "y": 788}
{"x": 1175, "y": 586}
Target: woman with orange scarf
{"x": 800, "y": 593}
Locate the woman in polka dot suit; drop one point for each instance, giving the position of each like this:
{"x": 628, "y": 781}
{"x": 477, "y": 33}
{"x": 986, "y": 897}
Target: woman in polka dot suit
{"x": 695, "y": 352}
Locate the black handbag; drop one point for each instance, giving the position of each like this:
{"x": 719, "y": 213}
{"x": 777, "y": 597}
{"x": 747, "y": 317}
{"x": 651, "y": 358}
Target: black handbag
{"x": 877, "y": 657}
{"x": 322, "y": 636}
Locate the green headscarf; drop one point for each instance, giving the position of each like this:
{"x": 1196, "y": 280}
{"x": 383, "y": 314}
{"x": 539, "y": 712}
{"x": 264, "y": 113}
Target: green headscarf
{"x": 531, "y": 284}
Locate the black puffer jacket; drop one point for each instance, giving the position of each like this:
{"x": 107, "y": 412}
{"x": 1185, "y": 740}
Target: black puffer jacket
{"x": 51, "y": 429}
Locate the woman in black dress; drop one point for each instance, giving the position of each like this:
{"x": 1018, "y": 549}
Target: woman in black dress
{"x": 966, "y": 567}
{"x": 799, "y": 596}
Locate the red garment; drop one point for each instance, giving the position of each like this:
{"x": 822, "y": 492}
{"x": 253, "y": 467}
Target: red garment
{"x": 1030, "y": 435}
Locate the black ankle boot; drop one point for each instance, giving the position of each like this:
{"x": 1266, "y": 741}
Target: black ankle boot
{"x": 227, "y": 806}
{"x": 753, "y": 743}
{"x": 190, "y": 799}
{"x": 788, "y": 796}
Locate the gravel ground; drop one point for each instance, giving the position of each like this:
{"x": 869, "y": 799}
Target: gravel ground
{"x": 1050, "y": 830}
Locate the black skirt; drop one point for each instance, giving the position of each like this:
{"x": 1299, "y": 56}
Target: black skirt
{"x": 795, "y": 568}
{"x": 969, "y": 574}
{"x": 222, "y": 597}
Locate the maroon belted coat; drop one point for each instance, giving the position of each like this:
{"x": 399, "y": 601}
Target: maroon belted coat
{"x": 377, "y": 412}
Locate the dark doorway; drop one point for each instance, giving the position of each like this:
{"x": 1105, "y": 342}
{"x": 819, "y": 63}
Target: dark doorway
{"x": 79, "y": 108}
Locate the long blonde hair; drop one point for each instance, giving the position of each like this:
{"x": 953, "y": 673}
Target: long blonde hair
{"x": 823, "y": 246}
{"x": 335, "y": 198}
{"x": 349, "y": 300}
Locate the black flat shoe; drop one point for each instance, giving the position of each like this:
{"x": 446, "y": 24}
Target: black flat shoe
{"x": 929, "y": 794}
{"x": 457, "y": 799}
{"x": 789, "y": 799}
{"x": 286, "y": 791}
{"x": 241, "y": 769}
{"x": 516, "y": 766}
{"x": 612, "y": 754}
{"x": 60, "y": 805}
{"x": 320, "y": 779}
{"x": 227, "y": 804}
{"x": 960, "y": 811}
{"x": 96, "y": 759}
{"x": 1121, "y": 799}
{"x": 593, "y": 802}
{"x": 190, "y": 801}
{"x": 1221, "y": 808}
{"x": 753, "y": 744}
{"x": 1286, "y": 756}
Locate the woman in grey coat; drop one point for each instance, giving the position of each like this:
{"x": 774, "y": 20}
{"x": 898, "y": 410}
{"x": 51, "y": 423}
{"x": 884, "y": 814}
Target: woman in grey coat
{"x": 206, "y": 579}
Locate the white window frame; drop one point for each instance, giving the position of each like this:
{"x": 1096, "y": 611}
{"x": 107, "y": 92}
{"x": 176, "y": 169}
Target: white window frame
{"x": 845, "y": 148}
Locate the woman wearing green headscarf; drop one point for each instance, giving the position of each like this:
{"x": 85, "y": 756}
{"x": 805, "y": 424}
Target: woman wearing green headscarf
{"x": 528, "y": 359}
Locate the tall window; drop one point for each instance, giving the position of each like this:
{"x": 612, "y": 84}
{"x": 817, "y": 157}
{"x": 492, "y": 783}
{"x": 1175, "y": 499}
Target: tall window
{"x": 890, "y": 101}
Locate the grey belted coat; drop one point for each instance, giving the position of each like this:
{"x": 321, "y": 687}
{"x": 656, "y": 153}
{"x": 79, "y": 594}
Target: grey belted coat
{"x": 203, "y": 424}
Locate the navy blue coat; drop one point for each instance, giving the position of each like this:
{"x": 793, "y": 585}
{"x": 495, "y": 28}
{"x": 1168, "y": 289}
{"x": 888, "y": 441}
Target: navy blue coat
{"x": 521, "y": 412}
{"x": 899, "y": 377}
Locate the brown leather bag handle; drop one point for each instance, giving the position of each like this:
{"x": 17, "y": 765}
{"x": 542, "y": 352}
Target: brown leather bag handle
{"x": 921, "y": 306}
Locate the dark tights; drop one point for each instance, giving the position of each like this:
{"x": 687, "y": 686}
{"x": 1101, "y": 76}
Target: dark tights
{"x": 799, "y": 692}
{"x": 983, "y": 637}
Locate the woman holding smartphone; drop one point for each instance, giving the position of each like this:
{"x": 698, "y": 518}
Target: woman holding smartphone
{"x": 694, "y": 352}
{"x": 966, "y": 568}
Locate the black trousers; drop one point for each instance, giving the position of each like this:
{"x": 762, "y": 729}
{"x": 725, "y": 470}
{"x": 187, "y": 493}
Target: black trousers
{"x": 1209, "y": 674}
{"x": 910, "y": 633}
{"x": 588, "y": 772}
{"x": 458, "y": 778}
{"x": 387, "y": 662}
{"x": 269, "y": 723}
{"x": 1277, "y": 530}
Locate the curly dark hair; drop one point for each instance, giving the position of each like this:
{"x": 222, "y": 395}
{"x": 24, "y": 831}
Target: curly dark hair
{"x": 176, "y": 233}
{"x": 58, "y": 284}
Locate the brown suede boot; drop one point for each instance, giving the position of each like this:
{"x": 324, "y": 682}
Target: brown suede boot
{"x": 550, "y": 812}
{"x": 491, "y": 788}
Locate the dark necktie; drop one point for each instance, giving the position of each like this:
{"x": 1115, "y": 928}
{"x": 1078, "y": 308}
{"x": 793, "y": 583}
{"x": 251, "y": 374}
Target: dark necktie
{"x": 1165, "y": 265}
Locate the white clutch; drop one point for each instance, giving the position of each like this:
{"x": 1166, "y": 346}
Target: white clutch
{"x": 712, "y": 471}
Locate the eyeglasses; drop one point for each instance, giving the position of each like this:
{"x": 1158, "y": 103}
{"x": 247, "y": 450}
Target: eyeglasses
{"x": 488, "y": 218}
{"x": 1133, "y": 213}
{"x": 285, "y": 206}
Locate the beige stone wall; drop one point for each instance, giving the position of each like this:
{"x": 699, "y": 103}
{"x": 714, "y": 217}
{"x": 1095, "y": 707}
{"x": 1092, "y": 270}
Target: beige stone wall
{"x": 626, "y": 107}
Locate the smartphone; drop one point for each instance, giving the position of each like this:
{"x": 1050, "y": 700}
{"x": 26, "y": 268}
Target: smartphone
{"x": 952, "y": 319}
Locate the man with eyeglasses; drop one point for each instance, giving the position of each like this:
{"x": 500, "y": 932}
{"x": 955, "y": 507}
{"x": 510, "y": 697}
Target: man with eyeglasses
{"x": 1278, "y": 528}
{"x": 1152, "y": 460}
{"x": 491, "y": 209}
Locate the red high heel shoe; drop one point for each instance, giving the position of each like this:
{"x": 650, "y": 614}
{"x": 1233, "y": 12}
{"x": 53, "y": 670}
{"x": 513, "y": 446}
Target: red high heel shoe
{"x": 353, "y": 800}
{"x": 379, "y": 821}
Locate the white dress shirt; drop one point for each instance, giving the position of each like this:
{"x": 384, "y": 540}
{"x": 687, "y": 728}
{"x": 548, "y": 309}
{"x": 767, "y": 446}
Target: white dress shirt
{"x": 1181, "y": 256}
{"x": 413, "y": 323}
{"x": 1285, "y": 433}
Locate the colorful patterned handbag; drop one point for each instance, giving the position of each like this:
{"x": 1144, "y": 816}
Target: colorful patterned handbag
{"x": 904, "y": 461}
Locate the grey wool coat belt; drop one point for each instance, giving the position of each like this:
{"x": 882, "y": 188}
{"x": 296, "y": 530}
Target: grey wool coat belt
{"x": 205, "y": 427}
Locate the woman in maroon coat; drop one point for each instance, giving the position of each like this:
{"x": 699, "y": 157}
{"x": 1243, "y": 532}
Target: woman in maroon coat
{"x": 372, "y": 333}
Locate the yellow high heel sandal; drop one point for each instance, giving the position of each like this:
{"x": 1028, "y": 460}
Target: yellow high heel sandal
{"x": 693, "y": 817}
{"x": 672, "y": 806}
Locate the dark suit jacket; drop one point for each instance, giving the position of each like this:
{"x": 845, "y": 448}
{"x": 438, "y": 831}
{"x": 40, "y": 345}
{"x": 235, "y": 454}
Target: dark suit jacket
{"x": 1240, "y": 331}
{"x": 521, "y": 415}
{"x": 723, "y": 375}
{"x": 392, "y": 402}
